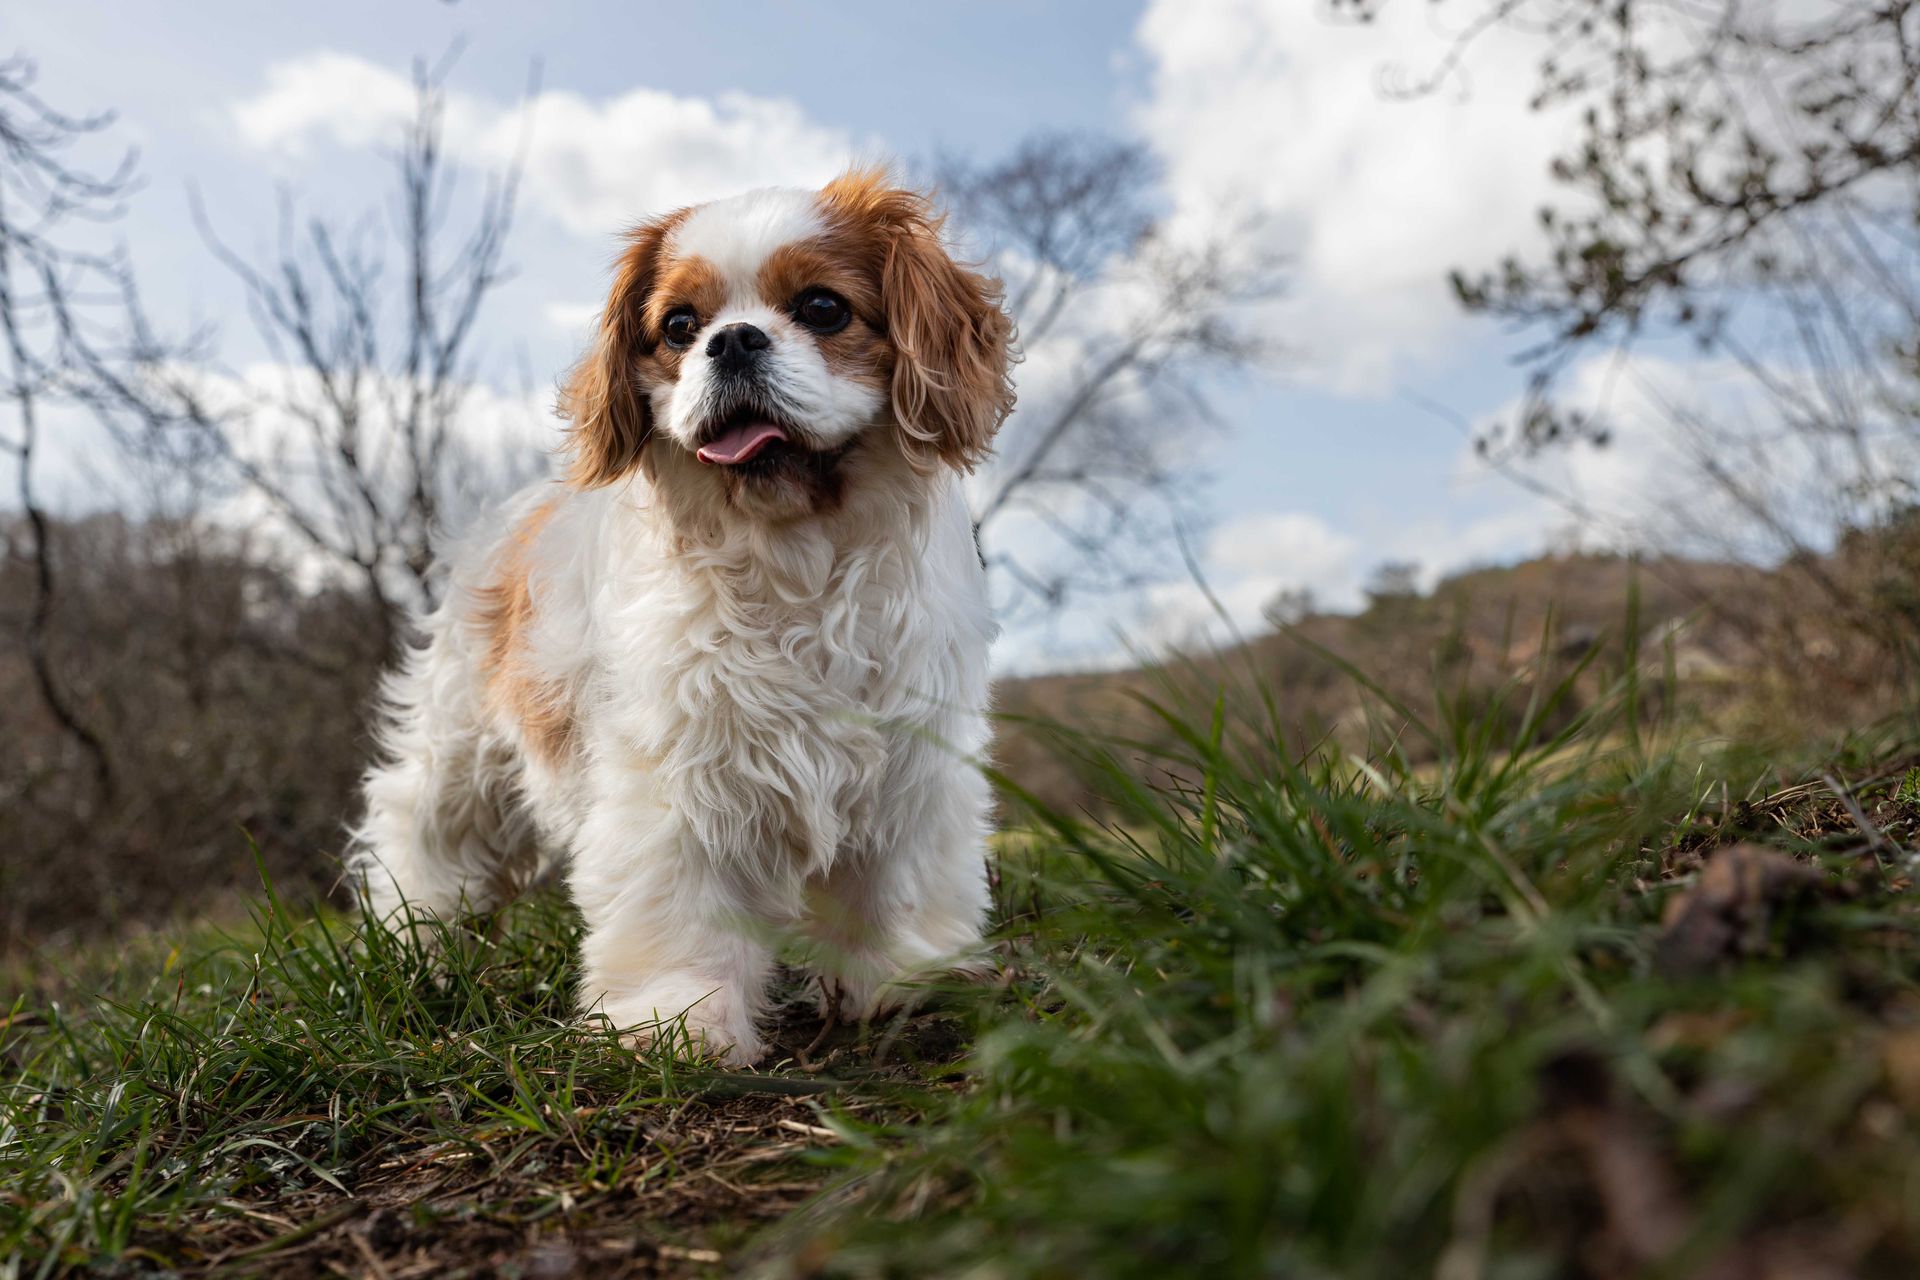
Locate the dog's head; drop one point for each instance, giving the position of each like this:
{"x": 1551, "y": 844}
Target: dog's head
{"x": 775, "y": 337}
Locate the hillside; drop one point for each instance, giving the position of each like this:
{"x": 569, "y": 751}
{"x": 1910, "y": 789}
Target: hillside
{"x": 1734, "y": 645}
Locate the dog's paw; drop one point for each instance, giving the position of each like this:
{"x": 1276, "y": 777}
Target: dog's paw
{"x": 855, "y": 1001}
{"x": 698, "y": 1044}
{"x": 980, "y": 971}
{"x": 689, "y": 1031}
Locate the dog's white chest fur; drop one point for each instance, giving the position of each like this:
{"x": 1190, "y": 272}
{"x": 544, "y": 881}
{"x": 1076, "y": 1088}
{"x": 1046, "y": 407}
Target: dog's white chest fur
{"x": 771, "y": 715}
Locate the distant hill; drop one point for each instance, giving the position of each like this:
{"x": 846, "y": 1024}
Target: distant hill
{"x": 1740, "y": 649}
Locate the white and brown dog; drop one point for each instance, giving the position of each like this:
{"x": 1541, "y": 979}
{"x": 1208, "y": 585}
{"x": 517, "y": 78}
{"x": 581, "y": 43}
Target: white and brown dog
{"x": 733, "y": 670}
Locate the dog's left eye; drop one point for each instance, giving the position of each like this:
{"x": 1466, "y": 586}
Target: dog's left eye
{"x": 681, "y": 327}
{"x": 822, "y": 310}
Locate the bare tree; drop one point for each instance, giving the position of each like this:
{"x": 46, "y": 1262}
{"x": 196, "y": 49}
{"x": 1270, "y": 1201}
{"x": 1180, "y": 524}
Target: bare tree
{"x": 1122, "y": 325}
{"x": 1393, "y": 580}
{"x": 1289, "y": 607}
{"x": 143, "y": 641}
{"x": 50, "y": 288}
{"x": 355, "y": 444}
{"x": 1745, "y": 178}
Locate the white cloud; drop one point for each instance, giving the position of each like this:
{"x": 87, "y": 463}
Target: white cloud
{"x": 594, "y": 165}
{"x": 599, "y": 165}
{"x": 1672, "y": 423}
{"x": 1251, "y": 560}
{"x": 1645, "y": 475}
{"x": 1526, "y": 527}
{"x": 498, "y": 442}
{"x": 1248, "y": 562}
{"x": 346, "y": 99}
{"x": 1271, "y": 111}
{"x": 501, "y": 442}
{"x": 1289, "y": 550}
{"x": 575, "y": 319}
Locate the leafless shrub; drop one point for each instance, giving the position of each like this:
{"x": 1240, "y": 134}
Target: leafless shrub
{"x": 52, "y": 288}
{"x": 173, "y": 692}
{"x": 360, "y": 447}
{"x": 228, "y": 697}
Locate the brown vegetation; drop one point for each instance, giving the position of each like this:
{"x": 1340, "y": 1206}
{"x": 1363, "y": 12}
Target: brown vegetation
{"x": 231, "y": 704}
{"x": 1736, "y": 646}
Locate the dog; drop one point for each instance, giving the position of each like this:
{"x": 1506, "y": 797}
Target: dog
{"x": 731, "y": 671}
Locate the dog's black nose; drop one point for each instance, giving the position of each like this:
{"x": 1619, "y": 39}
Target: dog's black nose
{"x": 734, "y": 346}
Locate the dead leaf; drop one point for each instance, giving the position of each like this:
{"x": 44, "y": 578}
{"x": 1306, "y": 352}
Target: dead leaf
{"x": 1726, "y": 911}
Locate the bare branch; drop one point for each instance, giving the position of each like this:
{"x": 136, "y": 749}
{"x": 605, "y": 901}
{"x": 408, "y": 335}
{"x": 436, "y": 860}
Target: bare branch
{"x": 42, "y": 284}
{"x": 1096, "y": 286}
{"x": 380, "y": 365}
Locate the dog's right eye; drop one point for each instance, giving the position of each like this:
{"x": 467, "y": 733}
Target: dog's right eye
{"x": 681, "y": 327}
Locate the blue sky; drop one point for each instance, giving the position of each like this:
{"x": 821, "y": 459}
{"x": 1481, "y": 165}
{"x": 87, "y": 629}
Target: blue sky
{"x": 1328, "y": 466}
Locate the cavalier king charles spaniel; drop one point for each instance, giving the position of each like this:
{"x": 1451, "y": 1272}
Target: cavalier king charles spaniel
{"x": 731, "y": 672}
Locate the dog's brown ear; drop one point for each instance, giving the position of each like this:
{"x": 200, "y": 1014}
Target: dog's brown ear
{"x": 603, "y": 397}
{"x": 952, "y": 339}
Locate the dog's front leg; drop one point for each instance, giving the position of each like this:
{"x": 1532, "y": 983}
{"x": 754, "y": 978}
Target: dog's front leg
{"x": 670, "y": 935}
{"x": 908, "y": 907}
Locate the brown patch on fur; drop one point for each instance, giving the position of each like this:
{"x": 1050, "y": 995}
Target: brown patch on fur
{"x": 605, "y": 396}
{"x": 849, "y": 265}
{"x": 952, "y": 340}
{"x": 684, "y": 282}
{"x": 542, "y": 707}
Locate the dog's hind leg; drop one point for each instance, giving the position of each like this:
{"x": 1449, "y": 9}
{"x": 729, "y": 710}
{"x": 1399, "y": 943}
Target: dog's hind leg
{"x": 444, "y": 828}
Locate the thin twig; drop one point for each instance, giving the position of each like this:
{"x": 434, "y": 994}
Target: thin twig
{"x": 831, "y": 990}
{"x": 1877, "y": 842}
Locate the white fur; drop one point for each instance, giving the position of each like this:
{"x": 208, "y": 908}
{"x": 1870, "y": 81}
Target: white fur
{"x": 737, "y": 234}
{"x": 777, "y": 722}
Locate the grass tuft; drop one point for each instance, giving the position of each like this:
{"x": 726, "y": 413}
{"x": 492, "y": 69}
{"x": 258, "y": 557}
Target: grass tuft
{"x": 277, "y": 1093}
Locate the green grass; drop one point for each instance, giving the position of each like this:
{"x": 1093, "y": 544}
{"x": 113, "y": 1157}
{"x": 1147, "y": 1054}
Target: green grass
{"x": 1306, "y": 1015}
{"x": 209, "y": 1110}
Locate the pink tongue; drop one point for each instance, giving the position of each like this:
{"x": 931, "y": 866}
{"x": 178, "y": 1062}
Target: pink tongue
{"x": 737, "y": 444}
